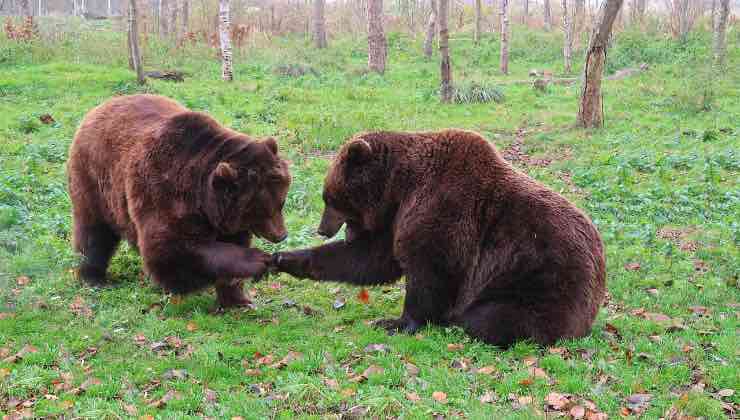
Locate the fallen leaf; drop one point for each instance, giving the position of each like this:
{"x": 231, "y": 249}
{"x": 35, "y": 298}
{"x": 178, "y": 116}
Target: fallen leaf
{"x": 657, "y": 317}
{"x": 529, "y": 360}
{"x": 488, "y": 398}
{"x": 699, "y": 310}
{"x": 47, "y": 119}
{"x": 364, "y": 296}
{"x": 167, "y": 397}
{"x": 652, "y": 291}
{"x": 413, "y": 396}
{"x": 461, "y": 364}
{"x": 525, "y": 400}
{"x": 348, "y": 392}
{"x": 376, "y": 348}
{"x": 726, "y": 392}
{"x": 252, "y": 372}
{"x": 339, "y": 303}
{"x": 486, "y": 370}
{"x": 557, "y": 350}
{"x": 611, "y": 329}
{"x": 265, "y": 360}
{"x": 331, "y": 383}
{"x": 79, "y": 308}
{"x": 538, "y": 373}
{"x": 455, "y": 347}
{"x": 526, "y": 382}
{"x": 373, "y": 370}
{"x": 23, "y": 280}
{"x": 633, "y": 266}
{"x": 90, "y": 382}
{"x": 440, "y": 397}
{"x": 557, "y": 401}
{"x": 176, "y": 299}
{"x": 412, "y": 369}
{"x": 290, "y": 357}
{"x": 276, "y": 286}
{"x": 4, "y": 372}
{"x": 577, "y": 412}
{"x": 66, "y": 404}
{"x": 140, "y": 339}
{"x": 210, "y": 396}
{"x": 4, "y": 315}
{"x": 638, "y": 402}
{"x": 130, "y": 409}
{"x": 191, "y": 326}
{"x": 175, "y": 374}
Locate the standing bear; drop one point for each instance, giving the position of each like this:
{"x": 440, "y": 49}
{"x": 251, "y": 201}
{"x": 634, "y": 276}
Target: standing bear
{"x": 482, "y": 245}
{"x": 185, "y": 191}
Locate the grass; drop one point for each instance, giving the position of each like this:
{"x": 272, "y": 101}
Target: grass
{"x": 660, "y": 181}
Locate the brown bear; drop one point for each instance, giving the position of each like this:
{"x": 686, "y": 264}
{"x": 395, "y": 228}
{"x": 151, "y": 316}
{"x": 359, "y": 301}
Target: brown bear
{"x": 185, "y": 191}
{"x": 482, "y": 245}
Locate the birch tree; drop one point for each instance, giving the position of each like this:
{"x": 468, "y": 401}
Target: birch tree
{"x": 478, "y": 20}
{"x": 224, "y": 18}
{"x": 719, "y": 40}
{"x": 547, "y": 15}
{"x": 568, "y": 37}
{"x": 376, "y": 42}
{"x": 319, "y": 24}
{"x": 504, "y": 60}
{"x": 133, "y": 42}
{"x": 431, "y": 30}
{"x": 444, "y": 51}
{"x": 590, "y": 111}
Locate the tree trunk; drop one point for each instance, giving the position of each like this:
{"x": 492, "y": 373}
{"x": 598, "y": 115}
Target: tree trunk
{"x": 319, "y": 24}
{"x": 683, "y": 16}
{"x": 27, "y": 8}
{"x": 478, "y": 20}
{"x": 719, "y": 41}
{"x": 227, "y": 73}
{"x": 504, "y": 61}
{"x": 376, "y": 44}
{"x": 164, "y": 7}
{"x": 568, "y": 37}
{"x": 590, "y": 111}
{"x": 185, "y": 19}
{"x": 444, "y": 51}
{"x": 525, "y": 11}
{"x": 547, "y": 15}
{"x": 579, "y": 22}
{"x": 172, "y": 24}
{"x": 133, "y": 36}
{"x": 431, "y": 30}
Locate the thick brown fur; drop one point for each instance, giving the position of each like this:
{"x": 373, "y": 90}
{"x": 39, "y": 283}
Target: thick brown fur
{"x": 185, "y": 191}
{"x": 482, "y": 245}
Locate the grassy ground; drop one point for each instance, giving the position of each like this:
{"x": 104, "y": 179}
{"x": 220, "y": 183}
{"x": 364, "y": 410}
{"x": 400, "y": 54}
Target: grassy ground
{"x": 660, "y": 181}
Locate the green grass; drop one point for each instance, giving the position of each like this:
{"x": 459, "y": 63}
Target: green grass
{"x": 668, "y": 158}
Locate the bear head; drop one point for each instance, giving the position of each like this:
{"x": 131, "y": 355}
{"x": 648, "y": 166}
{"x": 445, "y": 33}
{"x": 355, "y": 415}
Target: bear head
{"x": 247, "y": 190}
{"x": 356, "y": 192}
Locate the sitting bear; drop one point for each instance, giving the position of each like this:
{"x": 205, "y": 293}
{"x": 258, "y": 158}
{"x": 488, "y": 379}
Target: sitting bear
{"x": 185, "y": 191}
{"x": 482, "y": 245}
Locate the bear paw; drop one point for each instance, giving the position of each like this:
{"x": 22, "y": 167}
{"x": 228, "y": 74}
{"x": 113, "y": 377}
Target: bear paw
{"x": 392, "y": 325}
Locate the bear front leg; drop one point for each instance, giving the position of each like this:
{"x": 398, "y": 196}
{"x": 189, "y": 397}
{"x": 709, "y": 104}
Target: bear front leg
{"x": 364, "y": 261}
{"x": 225, "y": 261}
{"x": 429, "y": 295}
{"x": 230, "y": 293}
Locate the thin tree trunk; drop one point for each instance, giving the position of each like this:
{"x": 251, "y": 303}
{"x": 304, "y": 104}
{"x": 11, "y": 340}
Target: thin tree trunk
{"x": 431, "y": 30}
{"x": 682, "y": 10}
{"x": 478, "y": 20}
{"x": 319, "y": 24}
{"x": 504, "y": 61}
{"x": 227, "y": 72}
{"x": 376, "y": 44}
{"x": 185, "y": 20}
{"x": 547, "y": 15}
{"x": 444, "y": 50}
{"x": 525, "y": 11}
{"x": 133, "y": 36}
{"x": 579, "y": 22}
{"x": 590, "y": 111}
{"x": 568, "y": 38}
{"x": 164, "y": 7}
{"x": 172, "y": 24}
{"x": 26, "y": 7}
{"x": 719, "y": 41}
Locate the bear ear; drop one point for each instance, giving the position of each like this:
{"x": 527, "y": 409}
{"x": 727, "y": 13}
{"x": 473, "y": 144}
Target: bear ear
{"x": 271, "y": 144}
{"x": 224, "y": 173}
{"x": 359, "y": 151}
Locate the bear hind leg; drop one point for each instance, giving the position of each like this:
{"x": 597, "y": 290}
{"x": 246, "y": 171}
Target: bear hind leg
{"x": 96, "y": 243}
